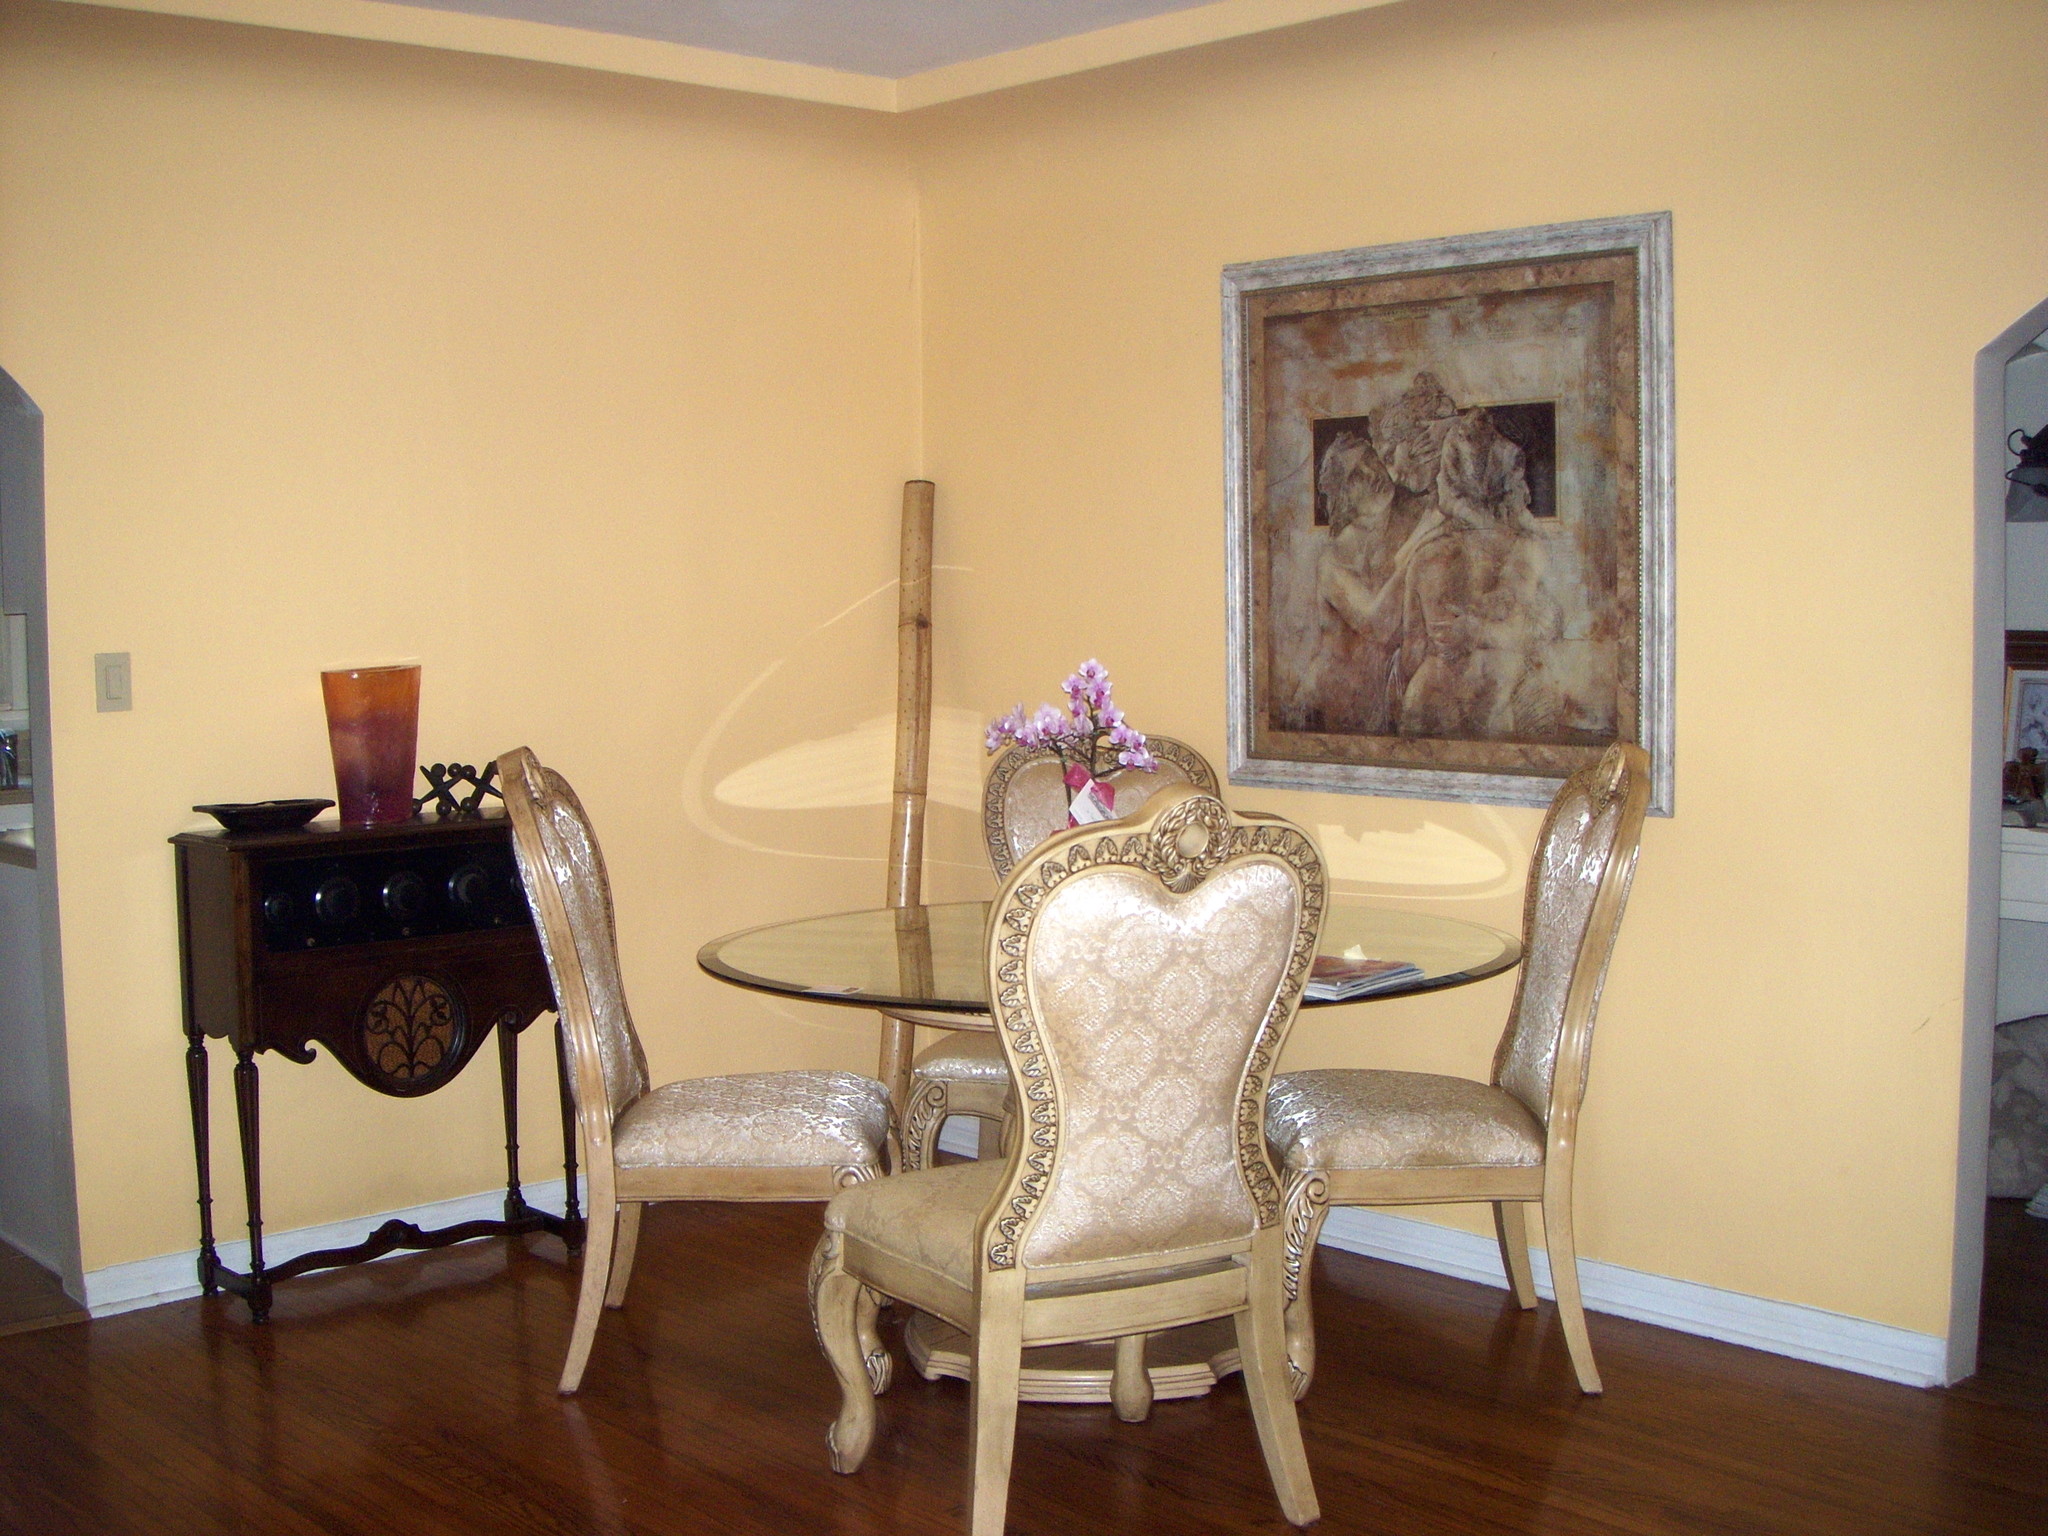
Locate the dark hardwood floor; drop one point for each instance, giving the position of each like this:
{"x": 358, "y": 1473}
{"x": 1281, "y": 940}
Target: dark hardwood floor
{"x": 417, "y": 1395}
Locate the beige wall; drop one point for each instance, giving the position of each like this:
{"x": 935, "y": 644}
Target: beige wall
{"x": 591, "y": 394}
{"x": 1773, "y": 1104}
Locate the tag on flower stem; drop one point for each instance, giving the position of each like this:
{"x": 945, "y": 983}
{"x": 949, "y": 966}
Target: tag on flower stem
{"x": 1089, "y": 800}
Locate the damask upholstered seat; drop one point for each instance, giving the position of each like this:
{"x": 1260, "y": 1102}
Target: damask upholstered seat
{"x": 754, "y": 1120}
{"x": 1410, "y": 1138}
{"x": 1346, "y": 1119}
{"x": 1023, "y": 803}
{"x": 1144, "y": 976}
{"x": 753, "y": 1136}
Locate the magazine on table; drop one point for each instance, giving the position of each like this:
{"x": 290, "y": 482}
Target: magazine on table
{"x": 1339, "y": 978}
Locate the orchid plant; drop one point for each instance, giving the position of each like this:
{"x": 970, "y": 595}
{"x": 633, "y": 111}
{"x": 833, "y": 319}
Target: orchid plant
{"x": 1090, "y": 735}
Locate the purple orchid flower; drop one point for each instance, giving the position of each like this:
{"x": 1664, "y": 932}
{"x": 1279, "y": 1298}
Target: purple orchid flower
{"x": 1005, "y": 728}
{"x": 1090, "y": 734}
{"x": 1135, "y": 753}
{"x": 1046, "y": 727}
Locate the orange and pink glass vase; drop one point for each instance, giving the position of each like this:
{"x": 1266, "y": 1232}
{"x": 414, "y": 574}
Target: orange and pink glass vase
{"x": 373, "y": 728}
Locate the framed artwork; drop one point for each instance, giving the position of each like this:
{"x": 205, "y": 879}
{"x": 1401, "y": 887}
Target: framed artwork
{"x": 1449, "y": 500}
{"x": 2026, "y": 712}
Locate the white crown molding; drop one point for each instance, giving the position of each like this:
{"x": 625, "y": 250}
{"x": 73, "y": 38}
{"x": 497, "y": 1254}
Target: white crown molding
{"x": 1141, "y": 39}
{"x": 421, "y": 26}
{"x": 503, "y": 37}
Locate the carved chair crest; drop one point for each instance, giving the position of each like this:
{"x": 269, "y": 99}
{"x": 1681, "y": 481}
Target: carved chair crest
{"x": 1024, "y": 800}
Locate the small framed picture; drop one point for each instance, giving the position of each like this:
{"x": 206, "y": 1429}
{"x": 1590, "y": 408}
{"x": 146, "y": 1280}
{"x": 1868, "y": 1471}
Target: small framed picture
{"x": 2026, "y": 712}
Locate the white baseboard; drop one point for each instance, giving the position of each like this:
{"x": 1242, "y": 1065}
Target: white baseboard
{"x": 1687, "y": 1306}
{"x": 175, "y": 1276}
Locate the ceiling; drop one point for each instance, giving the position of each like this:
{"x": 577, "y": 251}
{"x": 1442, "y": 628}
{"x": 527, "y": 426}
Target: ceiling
{"x": 881, "y": 55}
{"x": 890, "y": 38}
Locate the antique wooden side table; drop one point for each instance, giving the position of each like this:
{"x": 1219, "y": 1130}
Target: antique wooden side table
{"x": 400, "y": 949}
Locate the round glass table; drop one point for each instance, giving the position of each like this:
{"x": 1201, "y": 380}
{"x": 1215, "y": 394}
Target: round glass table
{"x": 933, "y": 961}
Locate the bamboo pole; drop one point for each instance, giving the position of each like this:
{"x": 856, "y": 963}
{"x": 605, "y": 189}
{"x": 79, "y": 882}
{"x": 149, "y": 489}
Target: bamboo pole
{"x": 913, "y": 763}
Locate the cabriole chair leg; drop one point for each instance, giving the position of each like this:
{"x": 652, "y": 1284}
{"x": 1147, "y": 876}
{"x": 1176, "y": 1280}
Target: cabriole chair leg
{"x": 836, "y": 1302}
{"x": 1302, "y": 1222}
{"x": 873, "y": 1353}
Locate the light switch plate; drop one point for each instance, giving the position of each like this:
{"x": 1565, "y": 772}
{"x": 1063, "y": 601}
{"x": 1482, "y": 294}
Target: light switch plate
{"x": 113, "y": 686}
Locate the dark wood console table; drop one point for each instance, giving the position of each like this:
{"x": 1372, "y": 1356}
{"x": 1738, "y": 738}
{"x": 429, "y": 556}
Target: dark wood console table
{"x": 398, "y": 948}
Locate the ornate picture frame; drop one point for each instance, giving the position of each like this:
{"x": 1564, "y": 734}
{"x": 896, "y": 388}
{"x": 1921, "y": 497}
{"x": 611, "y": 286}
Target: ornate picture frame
{"x": 2026, "y": 711}
{"x": 1448, "y": 491}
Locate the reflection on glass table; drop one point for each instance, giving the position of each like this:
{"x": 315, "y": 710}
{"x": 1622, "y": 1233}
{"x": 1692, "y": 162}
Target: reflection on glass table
{"x": 934, "y": 959}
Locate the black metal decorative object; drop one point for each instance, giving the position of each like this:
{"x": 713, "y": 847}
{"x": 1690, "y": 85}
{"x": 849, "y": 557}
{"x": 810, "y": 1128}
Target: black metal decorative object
{"x": 444, "y": 779}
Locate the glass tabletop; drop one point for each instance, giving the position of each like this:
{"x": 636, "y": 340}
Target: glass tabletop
{"x": 933, "y": 958}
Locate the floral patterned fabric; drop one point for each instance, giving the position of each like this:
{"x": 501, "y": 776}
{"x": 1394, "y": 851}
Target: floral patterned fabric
{"x": 1570, "y": 862}
{"x": 928, "y": 1218}
{"x": 1342, "y": 1118}
{"x": 1149, "y": 1004}
{"x": 574, "y": 865}
{"x": 964, "y": 1057}
{"x": 756, "y": 1120}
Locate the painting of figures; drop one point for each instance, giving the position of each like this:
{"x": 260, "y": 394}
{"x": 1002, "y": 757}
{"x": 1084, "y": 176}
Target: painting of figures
{"x": 1451, "y": 564}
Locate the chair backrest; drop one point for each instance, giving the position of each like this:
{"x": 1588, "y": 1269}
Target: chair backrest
{"x": 1025, "y": 799}
{"x": 1578, "y": 885}
{"x": 563, "y": 871}
{"x": 1144, "y": 975}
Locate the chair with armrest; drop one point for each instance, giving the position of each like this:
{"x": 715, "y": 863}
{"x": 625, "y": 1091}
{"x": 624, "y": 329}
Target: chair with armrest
{"x": 1144, "y": 976}
{"x": 789, "y": 1135}
{"x": 1353, "y": 1137}
{"x": 1023, "y": 803}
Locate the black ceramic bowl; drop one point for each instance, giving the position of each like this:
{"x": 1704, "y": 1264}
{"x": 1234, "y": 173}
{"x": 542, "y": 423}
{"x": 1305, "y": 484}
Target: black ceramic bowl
{"x": 265, "y": 815}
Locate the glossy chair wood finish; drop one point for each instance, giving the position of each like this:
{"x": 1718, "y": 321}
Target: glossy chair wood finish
{"x": 750, "y": 1136}
{"x": 1145, "y": 974}
{"x": 1348, "y": 1137}
{"x": 1023, "y": 803}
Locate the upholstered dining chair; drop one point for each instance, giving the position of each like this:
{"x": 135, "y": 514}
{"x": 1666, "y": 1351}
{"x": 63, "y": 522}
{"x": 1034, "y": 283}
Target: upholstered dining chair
{"x": 1144, "y": 975}
{"x": 1354, "y": 1137}
{"x": 1023, "y": 803}
{"x": 790, "y": 1135}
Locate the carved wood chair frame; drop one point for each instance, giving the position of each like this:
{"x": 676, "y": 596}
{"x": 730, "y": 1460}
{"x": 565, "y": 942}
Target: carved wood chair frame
{"x": 617, "y": 1196}
{"x": 1623, "y": 773}
{"x": 1182, "y": 837}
